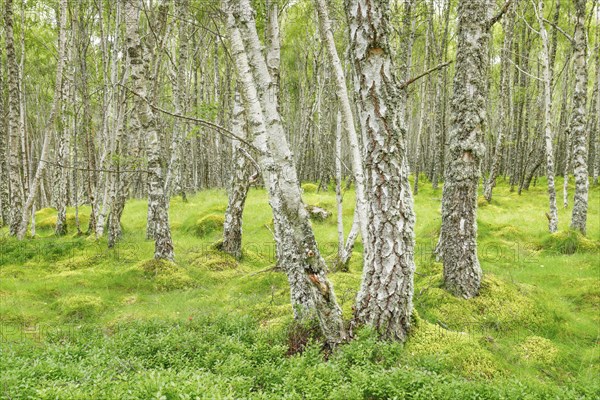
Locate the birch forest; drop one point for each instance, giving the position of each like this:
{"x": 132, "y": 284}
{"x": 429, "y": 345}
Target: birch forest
{"x": 324, "y": 199}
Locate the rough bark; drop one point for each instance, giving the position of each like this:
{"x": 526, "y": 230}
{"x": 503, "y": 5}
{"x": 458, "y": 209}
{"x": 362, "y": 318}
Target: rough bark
{"x": 578, "y": 121}
{"x": 385, "y": 297}
{"x": 157, "y": 201}
{"x": 16, "y": 195}
{"x": 239, "y": 184}
{"x": 458, "y": 236}
{"x": 4, "y": 175}
{"x": 311, "y": 291}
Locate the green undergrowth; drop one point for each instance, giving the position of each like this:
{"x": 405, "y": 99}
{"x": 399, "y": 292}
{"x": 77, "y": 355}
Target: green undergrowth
{"x": 81, "y": 321}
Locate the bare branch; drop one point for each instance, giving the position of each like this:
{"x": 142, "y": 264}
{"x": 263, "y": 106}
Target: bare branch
{"x": 200, "y": 121}
{"x": 490, "y": 22}
{"x": 429, "y": 71}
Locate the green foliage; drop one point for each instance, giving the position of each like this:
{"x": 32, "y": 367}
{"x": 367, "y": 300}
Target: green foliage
{"x": 539, "y": 350}
{"x": 570, "y": 242}
{"x": 81, "y": 321}
{"x": 80, "y": 306}
{"x": 166, "y": 275}
{"x": 204, "y": 225}
{"x": 309, "y": 188}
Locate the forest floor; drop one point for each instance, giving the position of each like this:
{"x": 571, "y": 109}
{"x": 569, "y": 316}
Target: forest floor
{"x": 79, "y": 321}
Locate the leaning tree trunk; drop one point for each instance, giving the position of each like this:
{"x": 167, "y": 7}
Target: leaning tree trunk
{"x": 504, "y": 101}
{"x": 239, "y": 185}
{"x": 43, "y": 160}
{"x": 385, "y": 297}
{"x": 578, "y": 121}
{"x": 311, "y": 291}
{"x": 553, "y": 215}
{"x": 458, "y": 237}
{"x": 347, "y": 120}
{"x": 16, "y": 195}
{"x": 157, "y": 201}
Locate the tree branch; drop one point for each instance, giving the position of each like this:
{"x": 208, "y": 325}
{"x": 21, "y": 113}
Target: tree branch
{"x": 558, "y": 28}
{"x": 200, "y": 121}
{"x": 490, "y": 22}
{"x": 429, "y": 71}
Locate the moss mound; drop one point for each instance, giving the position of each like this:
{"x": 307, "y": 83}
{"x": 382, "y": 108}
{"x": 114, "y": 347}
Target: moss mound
{"x": 166, "y": 275}
{"x": 499, "y": 307}
{"x": 204, "y": 225}
{"x": 215, "y": 261}
{"x": 80, "y": 306}
{"x": 452, "y": 349}
{"x": 538, "y": 350}
{"x": 309, "y": 188}
{"x": 569, "y": 242}
{"x": 46, "y": 219}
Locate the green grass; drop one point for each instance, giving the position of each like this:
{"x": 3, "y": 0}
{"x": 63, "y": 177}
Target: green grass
{"x": 80, "y": 321}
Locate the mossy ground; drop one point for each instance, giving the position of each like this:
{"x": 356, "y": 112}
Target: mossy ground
{"x": 81, "y": 321}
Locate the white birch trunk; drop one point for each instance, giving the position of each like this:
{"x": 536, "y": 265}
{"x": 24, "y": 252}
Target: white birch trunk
{"x": 311, "y": 291}
{"x": 385, "y": 297}
{"x": 16, "y": 195}
{"x": 37, "y": 179}
{"x": 157, "y": 201}
{"x": 578, "y": 121}
{"x": 347, "y": 120}
{"x": 548, "y": 136}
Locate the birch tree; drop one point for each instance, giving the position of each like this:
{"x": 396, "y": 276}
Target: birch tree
{"x": 547, "y": 123}
{"x": 578, "y": 120}
{"x": 311, "y": 292}
{"x": 16, "y": 195}
{"x": 458, "y": 237}
{"x": 504, "y": 115}
{"x": 55, "y": 109}
{"x": 157, "y": 201}
{"x": 385, "y": 297}
{"x": 347, "y": 119}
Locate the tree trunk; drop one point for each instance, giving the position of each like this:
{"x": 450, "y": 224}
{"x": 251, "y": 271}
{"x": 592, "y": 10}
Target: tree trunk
{"x": 347, "y": 120}
{"x": 385, "y": 297}
{"x": 157, "y": 201}
{"x": 16, "y": 195}
{"x": 239, "y": 185}
{"x": 43, "y": 161}
{"x": 505, "y": 119}
{"x": 553, "y": 215}
{"x": 458, "y": 236}
{"x": 578, "y": 121}
{"x": 311, "y": 291}
{"x": 4, "y": 175}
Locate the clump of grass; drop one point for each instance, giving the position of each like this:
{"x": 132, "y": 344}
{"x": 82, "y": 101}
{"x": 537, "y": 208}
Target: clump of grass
{"x": 214, "y": 260}
{"x": 204, "y": 225}
{"x": 499, "y": 307}
{"x": 80, "y": 306}
{"x": 166, "y": 275}
{"x": 538, "y": 350}
{"x": 309, "y": 188}
{"x": 457, "y": 350}
{"x": 569, "y": 242}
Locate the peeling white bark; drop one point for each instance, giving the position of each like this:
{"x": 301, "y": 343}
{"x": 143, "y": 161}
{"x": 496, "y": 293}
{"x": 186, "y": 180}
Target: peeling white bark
{"x": 311, "y": 291}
